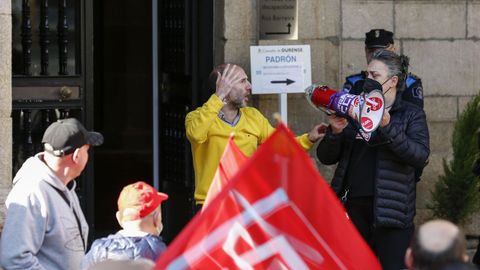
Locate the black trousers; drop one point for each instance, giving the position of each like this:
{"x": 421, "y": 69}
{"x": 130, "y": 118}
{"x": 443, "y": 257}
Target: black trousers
{"x": 389, "y": 244}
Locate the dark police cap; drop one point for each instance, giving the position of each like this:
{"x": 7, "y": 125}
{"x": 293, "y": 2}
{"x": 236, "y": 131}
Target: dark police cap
{"x": 378, "y": 38}
{"x": 64, "y": 136}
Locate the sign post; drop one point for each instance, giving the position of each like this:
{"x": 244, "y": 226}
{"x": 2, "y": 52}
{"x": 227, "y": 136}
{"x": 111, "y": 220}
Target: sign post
{"x": 280, "y": 70}
{"x": 283, "y": 104}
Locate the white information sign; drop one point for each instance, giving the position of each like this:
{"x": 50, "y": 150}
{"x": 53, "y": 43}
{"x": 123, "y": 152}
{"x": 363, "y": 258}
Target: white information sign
{"x": 280, "y": 69}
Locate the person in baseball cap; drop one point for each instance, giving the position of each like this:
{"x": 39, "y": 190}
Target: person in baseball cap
{"x": 64, "y": 136}
{"x": 140, "y": 215}
{"x": 45, "y": 225}
{"x": 137, "y": 201}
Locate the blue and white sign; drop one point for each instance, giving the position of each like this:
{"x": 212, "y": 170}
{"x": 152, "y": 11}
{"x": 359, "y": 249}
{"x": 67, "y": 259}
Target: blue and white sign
{"x": 280, "y": 69}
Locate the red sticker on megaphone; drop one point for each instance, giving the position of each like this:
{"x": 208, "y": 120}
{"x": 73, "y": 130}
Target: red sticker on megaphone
{"x": 355, "y": 102}
{"x": 367, "y": 123}
{"x": 374, "y": 103}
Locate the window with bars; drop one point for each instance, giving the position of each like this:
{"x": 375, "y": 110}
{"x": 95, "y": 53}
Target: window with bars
{"x": 43, "y": 37}
{"x": 47, "y": 80}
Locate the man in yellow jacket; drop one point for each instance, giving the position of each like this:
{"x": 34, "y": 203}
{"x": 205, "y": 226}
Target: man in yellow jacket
{"x": 209, "y": 126}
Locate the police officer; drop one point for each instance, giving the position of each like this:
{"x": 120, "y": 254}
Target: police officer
{"x": 377, "y": 39}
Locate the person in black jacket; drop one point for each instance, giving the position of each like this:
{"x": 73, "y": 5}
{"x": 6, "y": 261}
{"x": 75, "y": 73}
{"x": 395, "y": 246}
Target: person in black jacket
{"x": 381, "y": 39}
{"x": 375, "y": 176}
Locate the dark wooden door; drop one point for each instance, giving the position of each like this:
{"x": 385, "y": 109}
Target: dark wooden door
{"x": 52, "y": 79}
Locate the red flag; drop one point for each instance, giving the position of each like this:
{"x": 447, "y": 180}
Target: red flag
{"x": 277, "y": 212}
{"x": 232, "y": 159}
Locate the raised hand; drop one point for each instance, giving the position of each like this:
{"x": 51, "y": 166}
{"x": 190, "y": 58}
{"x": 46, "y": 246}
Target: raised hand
{"x": 226, "y": 81}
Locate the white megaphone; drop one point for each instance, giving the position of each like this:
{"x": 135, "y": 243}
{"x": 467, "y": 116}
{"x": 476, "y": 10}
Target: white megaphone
{"x": 367, "y": 108}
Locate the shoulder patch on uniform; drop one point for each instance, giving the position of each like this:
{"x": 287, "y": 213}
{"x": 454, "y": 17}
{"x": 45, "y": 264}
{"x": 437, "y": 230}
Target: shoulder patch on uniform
{"x": 351, "y": 80}
{"x": 355, "y": 78}
{"x": 347, "y": 87}
{"x": 410, "y": 80}
{"x": 417, "y": 92}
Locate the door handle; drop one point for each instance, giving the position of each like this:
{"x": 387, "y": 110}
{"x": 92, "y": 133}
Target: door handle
{"x": 65, "y": 93}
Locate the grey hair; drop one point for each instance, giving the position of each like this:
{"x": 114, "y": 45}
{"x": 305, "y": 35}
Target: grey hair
{"x": 397, "y": 65}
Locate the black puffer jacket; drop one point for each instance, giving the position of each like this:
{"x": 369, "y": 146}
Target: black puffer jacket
{"x": 405, "y": 147}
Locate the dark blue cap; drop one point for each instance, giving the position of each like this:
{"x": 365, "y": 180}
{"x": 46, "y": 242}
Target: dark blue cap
{"x": 378, "y": 38}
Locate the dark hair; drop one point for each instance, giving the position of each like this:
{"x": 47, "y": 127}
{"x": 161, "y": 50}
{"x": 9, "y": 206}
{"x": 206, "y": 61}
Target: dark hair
{"x": 423, "y": 258}
{"x": 397, "y": 65}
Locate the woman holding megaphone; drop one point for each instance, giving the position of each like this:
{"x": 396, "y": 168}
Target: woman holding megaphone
{"x": 375, "y": 176}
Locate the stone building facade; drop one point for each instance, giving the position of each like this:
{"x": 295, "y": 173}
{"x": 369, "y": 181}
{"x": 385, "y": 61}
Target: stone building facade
{"x": 442, "y": 38}
{"x": 5, "y": 103}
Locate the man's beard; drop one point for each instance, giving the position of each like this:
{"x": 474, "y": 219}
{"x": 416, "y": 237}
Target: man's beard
{"x": 239, "y": 103}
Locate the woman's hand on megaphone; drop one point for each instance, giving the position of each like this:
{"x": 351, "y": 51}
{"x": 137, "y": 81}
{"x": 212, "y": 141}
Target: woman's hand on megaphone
{"x": 385, "y": 119}
{"x": 337, "y": 123}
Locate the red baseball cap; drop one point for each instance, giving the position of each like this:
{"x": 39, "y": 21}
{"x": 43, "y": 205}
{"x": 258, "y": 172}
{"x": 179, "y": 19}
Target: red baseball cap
{"x": 139, "y": 199}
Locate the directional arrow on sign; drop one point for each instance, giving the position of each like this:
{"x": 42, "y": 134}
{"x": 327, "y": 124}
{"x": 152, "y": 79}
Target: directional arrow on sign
{"x": 287, "y": 81}
{"x": 280, "y": 33}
